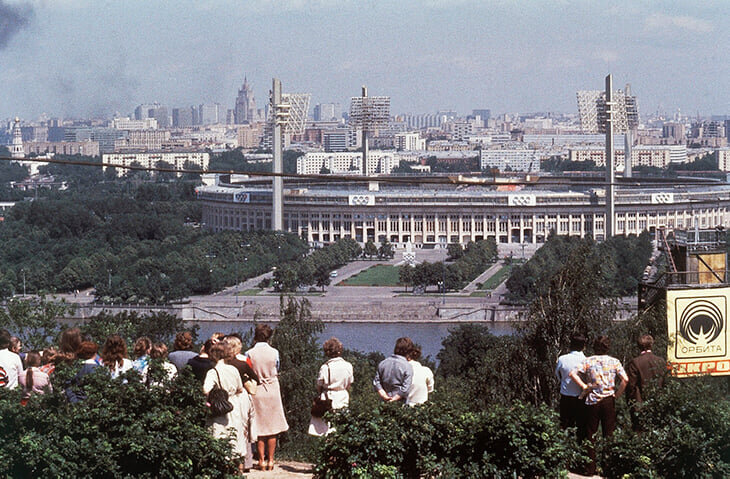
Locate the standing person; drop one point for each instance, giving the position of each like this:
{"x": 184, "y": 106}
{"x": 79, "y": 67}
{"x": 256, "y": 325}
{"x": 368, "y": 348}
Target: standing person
{"x": 642, "y": 370}
{"x": 201, "y": 363}
{"x": 87, "y": 353}
{"x": 33, "y": 380}
{"x": 10, "y": 364}
{"x": 601, "y": 392}
{"x": 227, "y": 378}
{"x": 422, "y": 382}
{"x": 395, "y": 375}
{"x": 68, "y": 344}
{"x": 114, "y": 356}
{"x": 248, "y": 432}
{"x": 333, "y": 382}
{"x": 269, "y": 410}
{"x": 159, "y": 351}
{"x": 48, "y": 358}
{"x": 141, "y": 352}
{"x": 16, "y": 346}
{"x": 572, "y": 407}
{"x": 183, "y": 350}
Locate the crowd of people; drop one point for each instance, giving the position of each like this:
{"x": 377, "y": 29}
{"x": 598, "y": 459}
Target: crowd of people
{"x": 254, "y": 416}
{"x": 589, "y": 387}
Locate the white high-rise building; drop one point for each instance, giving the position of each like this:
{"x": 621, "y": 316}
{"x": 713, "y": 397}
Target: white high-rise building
{"x": 16, "y": 147}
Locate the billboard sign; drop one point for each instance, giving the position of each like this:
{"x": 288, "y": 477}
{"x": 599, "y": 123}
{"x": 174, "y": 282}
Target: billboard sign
{"x": 697, "y": 321}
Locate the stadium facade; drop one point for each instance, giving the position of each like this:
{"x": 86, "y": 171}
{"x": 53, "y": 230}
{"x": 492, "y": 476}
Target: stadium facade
{"x": 436, "y": 215}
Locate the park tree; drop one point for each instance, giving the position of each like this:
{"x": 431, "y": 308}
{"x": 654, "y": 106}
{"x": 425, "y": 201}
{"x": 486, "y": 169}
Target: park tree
{"x": 322, "y": 276}
{"x": 454, "y": 251}
{"x": 285, "y": 279}
{"x": 35, "y": 321}
{"x": 386, "y": 251}
{"x": 405, "y": 275}
{"x": 370, "y": 249}
{"x": 191, "y": 171}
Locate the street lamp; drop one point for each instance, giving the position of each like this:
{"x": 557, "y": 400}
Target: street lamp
{"x": 22, "y": 271}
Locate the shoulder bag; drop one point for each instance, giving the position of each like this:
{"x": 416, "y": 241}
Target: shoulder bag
{"x": 321, "y": 406}
{"x": 218, "y": 402}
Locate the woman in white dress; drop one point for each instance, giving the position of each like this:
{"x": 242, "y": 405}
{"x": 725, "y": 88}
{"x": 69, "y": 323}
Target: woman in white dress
{"x": 333, "y": 382}
{"x": 227, "y": 377}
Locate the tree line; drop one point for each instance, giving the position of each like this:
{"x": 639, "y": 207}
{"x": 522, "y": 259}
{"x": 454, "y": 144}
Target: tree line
{"x": 131, "y": 243}
{"x": 625, "y": 257}
{"x": 466, "y": 264}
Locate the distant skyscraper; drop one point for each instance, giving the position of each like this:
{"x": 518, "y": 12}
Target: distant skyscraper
{"x": 182, "y": 117}
{"x": 16, "y": 147}
{"x": 153, "y": 110}
{"x": 245, "y": 109}
{"x": 592, "y": 111}
{"x": 209, "y": 113}
{"x": 483, "y": 113}
{"x": 326, "y": 111}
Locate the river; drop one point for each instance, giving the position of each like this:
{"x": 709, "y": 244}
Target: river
{"x": 369, "y": 337}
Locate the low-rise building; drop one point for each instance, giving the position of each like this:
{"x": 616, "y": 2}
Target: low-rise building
{"x": 150, "y": 159}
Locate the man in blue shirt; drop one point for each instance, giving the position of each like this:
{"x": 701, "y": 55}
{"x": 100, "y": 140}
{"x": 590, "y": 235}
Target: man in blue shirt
{"x": 395, "y": 374}
{"x": 572, "y": 408}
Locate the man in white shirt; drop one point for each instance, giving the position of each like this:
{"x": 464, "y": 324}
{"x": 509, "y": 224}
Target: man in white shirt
{"x": 572, "y": 408}
{"x": 10, "y": 364}
{"x": 422, "y": 383}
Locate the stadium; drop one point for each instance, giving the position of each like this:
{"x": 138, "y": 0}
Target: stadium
{"x": 431, "y": 214}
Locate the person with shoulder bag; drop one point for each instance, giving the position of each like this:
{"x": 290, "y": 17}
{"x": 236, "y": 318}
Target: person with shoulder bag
{"x": 333, "y": 384}
{"x": 223, "y": 389}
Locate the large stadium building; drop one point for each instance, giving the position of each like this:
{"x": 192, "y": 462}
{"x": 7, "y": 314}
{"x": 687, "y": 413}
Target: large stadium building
{"x": 436, "y": 215}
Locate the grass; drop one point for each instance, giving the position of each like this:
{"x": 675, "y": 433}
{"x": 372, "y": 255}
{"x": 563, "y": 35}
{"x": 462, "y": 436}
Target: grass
{"x": 377, "y": 275}
{"x": 479, "y": 294}
{"x": 497, "y": 278}
{"x": 248, "y": 292}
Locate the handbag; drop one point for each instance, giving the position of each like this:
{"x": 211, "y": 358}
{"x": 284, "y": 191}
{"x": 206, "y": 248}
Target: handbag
{"x": 321, "y": 406}
{"x": 218, "y": 402}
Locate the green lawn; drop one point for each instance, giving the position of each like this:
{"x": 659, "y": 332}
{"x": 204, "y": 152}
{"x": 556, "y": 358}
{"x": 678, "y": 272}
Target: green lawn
{"x": 497, "y": 278}
{"x": 378, "y": 275}
{"x": 248, "y": 292}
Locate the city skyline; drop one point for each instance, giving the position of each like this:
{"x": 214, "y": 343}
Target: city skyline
{"x": 78, "y": 58}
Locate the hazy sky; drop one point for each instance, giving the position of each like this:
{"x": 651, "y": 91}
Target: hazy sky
{"x": 97, "y": 57}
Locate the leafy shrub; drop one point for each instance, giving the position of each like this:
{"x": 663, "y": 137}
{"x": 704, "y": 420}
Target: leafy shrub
{"x": 440, "y": 439}
{"x": 122, "y": 429}
{"x": 687, "y": 434}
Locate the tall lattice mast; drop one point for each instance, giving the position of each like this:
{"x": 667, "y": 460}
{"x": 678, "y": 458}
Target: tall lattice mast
{"x": 369, "y": 113}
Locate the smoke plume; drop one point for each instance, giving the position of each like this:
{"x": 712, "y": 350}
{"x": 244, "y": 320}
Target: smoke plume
{"x": 13, "y": 18}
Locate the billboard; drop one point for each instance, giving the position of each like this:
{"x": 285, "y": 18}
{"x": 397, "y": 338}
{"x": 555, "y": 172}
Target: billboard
{"x": 698, "y": 331}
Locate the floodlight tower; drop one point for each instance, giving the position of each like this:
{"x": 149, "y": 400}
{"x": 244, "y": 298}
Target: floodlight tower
{"x": 610, "y": 176}
{"x": 288, "y": 115}
{"x": 369, "y": 113}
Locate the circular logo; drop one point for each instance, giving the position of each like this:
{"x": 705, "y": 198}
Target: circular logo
{"x": 701, "y": 322}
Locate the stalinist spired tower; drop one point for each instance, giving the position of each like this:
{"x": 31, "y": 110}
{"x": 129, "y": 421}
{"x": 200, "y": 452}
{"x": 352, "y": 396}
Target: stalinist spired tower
{"x": 16, "y": 147}
{"x": 245, "y": 110}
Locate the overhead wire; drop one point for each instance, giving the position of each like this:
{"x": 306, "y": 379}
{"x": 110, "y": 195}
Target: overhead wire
{"x": 466, "y": 179}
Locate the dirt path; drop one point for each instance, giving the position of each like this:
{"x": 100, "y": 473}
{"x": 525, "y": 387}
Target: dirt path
{"x": 284, "y": 470}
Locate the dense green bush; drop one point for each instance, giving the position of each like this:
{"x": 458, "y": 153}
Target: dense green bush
{"x": 686, "y": 434}
{"x": 439, "y": 439}
{"x": 122, "y": 429}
